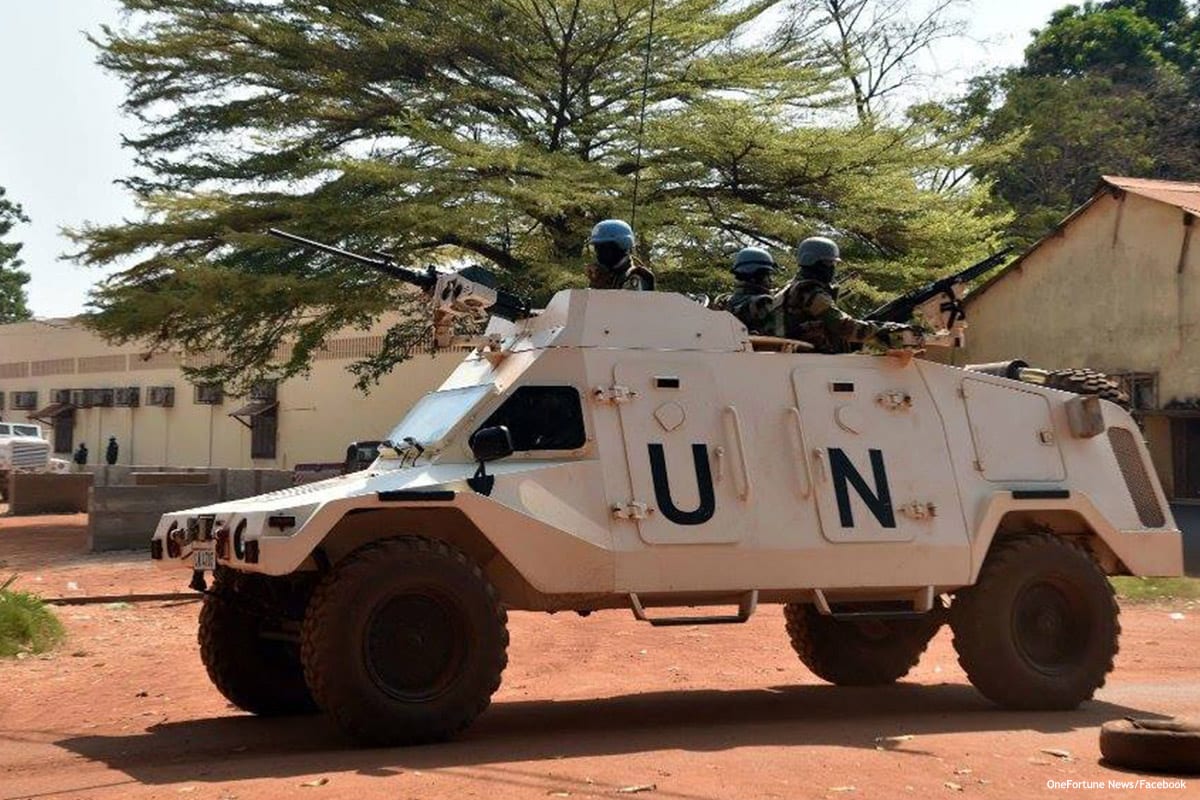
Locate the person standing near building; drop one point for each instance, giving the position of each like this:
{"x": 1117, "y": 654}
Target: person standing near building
{"x": 112, "y": 451}
{"x": 81, "y": 454}
{"x": 615, "y": 266}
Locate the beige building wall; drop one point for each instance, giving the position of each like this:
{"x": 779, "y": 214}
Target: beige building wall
{"x": 1106, "y": 291}
{"x": 318, "y": 415}
{"x": 1117, "y": 289}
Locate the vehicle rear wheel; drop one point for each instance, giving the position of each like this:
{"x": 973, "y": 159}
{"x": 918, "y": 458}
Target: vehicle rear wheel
{"x": 405, "y": 642}
{"x": 251, "y": 652}
{"x": 869, "y": 652}
{"x": 1039, "y": 628}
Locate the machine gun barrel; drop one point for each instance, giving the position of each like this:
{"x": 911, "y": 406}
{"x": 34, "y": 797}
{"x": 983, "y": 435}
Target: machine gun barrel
{"x": 423, "y": 280}
{"x": 470, "y": 291}
{"x": 901, "y": 308}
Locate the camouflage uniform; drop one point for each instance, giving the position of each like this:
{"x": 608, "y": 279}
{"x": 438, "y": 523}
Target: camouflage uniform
{"x": 753, "y": 303}
{"x": 630, "y": 275}
{"x": 810, "y": 314}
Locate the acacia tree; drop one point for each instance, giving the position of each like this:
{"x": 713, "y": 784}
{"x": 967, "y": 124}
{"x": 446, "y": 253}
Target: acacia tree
{"x": 492, "y": 130}
{"x": 13, "y": 301}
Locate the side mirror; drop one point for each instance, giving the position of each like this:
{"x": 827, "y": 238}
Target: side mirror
{"x": 491, "y": 444}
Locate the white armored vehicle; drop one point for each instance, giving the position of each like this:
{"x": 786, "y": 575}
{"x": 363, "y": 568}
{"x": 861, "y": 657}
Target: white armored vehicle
{"x": 636, "y": 450}
{"x": 22, "y": 449}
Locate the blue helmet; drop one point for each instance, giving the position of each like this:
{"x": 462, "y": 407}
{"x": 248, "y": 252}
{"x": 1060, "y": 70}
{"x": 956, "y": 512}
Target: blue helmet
{"x": 750, "y": 260}
{"x": 614, "y": 231}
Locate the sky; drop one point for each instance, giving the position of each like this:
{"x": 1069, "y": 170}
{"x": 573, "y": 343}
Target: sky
{"x": 61, "y": 123}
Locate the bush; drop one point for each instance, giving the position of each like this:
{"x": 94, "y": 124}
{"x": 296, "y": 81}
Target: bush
{"x": 26, "y": 624}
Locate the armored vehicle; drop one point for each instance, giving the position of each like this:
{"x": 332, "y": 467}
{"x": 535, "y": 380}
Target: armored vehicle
{"x": 640, "y": 451}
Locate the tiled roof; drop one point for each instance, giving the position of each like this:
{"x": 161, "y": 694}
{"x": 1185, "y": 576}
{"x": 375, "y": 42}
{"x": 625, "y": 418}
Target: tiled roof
{"x": 1175, "y": 193}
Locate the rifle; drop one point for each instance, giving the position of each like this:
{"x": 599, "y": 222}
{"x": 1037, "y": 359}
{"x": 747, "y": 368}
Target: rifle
{"x": 471, "y": 291}
{"x": 938, "y": 304}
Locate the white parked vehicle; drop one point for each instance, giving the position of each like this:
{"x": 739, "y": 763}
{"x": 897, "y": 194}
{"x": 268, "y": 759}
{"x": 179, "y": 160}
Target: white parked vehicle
{"x": 22, "y": 449}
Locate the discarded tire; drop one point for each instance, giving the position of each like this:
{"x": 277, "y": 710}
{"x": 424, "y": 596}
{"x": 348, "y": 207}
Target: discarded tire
{"x": 1154, "y": 745}
{"x": 870, "y": 652}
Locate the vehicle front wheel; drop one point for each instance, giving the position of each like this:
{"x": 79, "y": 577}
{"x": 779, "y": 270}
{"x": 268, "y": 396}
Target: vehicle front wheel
{"x": 250, "y": 649}
{"x": 1039, "y": 628}
{"x": 868, "y": 652}
{"x": 404, "y": 642}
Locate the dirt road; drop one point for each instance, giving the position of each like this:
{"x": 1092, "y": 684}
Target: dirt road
{"x": 595, "y": 707}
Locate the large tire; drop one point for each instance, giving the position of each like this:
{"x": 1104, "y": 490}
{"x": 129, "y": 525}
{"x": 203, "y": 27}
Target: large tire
{"x": 246, "y": 651}
{"x": 1152, "y": 745}
{"x": 1039, "y": 628}
{"x": 1087, "y": 381}
{"x": 858, "y": 653}
{"x": 404, "y": 642}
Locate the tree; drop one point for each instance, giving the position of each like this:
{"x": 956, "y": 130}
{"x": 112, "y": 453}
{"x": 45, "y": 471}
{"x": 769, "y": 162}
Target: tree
{"x": 1105, "y": 89}
{"x": 13, "y": 300}
{"x": 874, "y": 44}
{"x": 495, "y": 131}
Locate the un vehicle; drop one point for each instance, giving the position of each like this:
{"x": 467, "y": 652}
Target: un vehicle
{"x": 640, "y": 451}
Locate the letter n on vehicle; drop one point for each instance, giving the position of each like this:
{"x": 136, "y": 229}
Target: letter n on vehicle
{"x": 845, "y": 475}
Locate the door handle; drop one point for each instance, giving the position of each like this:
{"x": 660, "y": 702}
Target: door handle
{"x": 799, "y": 452}
{"x": 744, "y": 493}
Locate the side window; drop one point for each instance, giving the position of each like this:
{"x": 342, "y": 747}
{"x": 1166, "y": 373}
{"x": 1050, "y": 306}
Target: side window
{"x": 542, "y": 418}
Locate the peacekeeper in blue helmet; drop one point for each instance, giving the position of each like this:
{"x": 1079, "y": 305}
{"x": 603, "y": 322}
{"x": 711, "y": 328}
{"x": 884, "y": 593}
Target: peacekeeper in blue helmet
{"x": 615, "y": 267}
{"x": 809, "y": 305}
{"x": 752, "y": 301}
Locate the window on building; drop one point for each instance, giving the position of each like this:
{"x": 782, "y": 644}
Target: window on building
{"x": 24, "y": 401}
{"x": 1142, "y": 389}
{"x": 264, "y": 432}
{"x": 209, "y": 394}
{"x": 542, "y": 418}
{"x": 261, "y": 416}
{"x": 64, "y": 431}
{"x": 1185, "y": 446}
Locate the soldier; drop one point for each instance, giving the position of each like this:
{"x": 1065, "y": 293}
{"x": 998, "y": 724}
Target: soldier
{"x": 810, "y": 311}
{"x": 752, "y": 301}
{"x": 615, "y": 267}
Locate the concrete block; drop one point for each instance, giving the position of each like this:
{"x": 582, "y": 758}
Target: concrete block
{"x": 272, "y": 480}
{"x": 48, "y": 493}
{"x": 162, "y": 499}
{"x": 121, "y": 531}
{"x": 170, "y": 478}
{"x": 121, "y": 517}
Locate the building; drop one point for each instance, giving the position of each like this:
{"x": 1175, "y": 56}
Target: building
{"x": 1115, "y": 287}
{"x": 84, "y": 390}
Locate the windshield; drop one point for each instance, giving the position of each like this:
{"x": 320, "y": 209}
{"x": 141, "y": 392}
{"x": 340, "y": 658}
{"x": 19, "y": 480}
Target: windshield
{"x": 27, "y": 430}
{"x": 437, "y": 412}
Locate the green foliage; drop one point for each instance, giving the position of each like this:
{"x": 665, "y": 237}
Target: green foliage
{"x": 1156, "y": 589}
{"x": 26, "y": 624}
{"x": 497, "y": 131}
{"x": 13, "y": 307}
{"x": 1106, "y": 88}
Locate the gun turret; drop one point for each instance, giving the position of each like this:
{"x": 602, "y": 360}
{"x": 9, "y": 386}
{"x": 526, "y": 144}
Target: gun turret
{"x": 938, "y": 304}
{"x": 471, "y": 291}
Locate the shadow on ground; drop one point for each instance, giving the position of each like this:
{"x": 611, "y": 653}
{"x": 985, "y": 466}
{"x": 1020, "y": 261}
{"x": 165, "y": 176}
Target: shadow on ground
{"x": 241, "y": 747}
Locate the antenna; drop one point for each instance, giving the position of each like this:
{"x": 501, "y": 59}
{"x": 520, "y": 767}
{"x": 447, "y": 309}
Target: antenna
{"x": 637, "y": 168}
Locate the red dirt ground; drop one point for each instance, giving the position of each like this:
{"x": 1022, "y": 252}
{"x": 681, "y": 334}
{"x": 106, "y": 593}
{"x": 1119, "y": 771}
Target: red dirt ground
{"x": 595, "y": 707}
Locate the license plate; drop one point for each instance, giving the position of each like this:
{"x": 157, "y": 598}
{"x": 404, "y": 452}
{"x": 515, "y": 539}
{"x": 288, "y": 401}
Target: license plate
{"x": 204, "y": 559}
